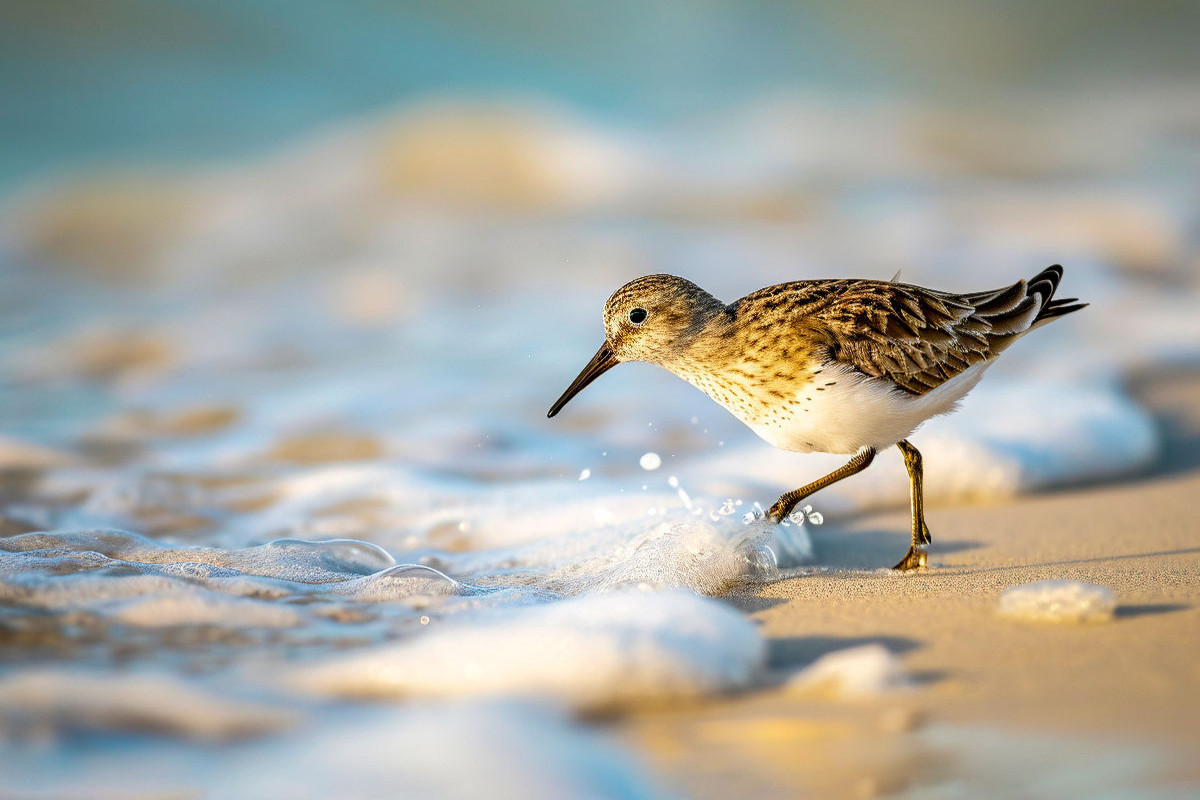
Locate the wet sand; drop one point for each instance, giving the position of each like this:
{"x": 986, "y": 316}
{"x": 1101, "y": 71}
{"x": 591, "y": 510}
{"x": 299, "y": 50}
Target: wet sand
{"x": 1131, "y": 685}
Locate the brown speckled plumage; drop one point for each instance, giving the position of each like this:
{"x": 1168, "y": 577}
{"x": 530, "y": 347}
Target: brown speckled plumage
{"x": 841, "y": 366}
{"x": 915, "y": 338}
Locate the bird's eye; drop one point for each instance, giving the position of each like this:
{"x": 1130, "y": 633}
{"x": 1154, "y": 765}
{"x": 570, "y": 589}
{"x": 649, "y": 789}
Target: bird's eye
{"x": 637, "y": 316}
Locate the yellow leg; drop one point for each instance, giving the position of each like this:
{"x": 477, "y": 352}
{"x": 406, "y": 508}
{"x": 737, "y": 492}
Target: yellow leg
{"x": 786, "y": 502}
{"x": 916, "y": 556}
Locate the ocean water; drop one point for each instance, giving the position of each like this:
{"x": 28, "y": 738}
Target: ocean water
{"x": 276, "y": 462}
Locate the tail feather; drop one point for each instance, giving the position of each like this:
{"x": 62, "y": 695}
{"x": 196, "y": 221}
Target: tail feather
{"x": 1019, "y": 308}
{"x": 1000, "y": 301}
{"x": 1059, "y": 309}
{"x": 1046, "y": 283}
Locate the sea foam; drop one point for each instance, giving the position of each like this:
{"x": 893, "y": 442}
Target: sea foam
{"x": 1058, "y": 601}
{"x": 594, "y": 652}
{"x": 77, "y": 699}
{"x": 455, "y": 751}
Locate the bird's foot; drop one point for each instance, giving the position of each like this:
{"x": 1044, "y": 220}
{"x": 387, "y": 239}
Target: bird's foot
{"x": 779, "y": 511}
{"x": 914, "y": 559}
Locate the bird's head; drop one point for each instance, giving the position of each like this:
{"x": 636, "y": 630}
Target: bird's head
{"x": 653, "y": 318}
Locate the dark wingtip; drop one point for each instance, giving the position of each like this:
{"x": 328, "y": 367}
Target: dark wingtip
{"x": 1058, "y": 311}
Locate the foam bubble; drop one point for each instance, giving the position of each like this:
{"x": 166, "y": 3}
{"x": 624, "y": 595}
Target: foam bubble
{"x": 855, "y": 671}
{"x": 1058, "y": 601}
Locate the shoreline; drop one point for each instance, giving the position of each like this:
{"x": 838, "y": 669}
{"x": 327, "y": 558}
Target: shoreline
{"x": 1124, "y": 689}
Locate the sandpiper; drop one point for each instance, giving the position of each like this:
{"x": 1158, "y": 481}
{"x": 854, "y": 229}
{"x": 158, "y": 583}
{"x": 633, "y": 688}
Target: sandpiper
{"x": 835, "y": 366}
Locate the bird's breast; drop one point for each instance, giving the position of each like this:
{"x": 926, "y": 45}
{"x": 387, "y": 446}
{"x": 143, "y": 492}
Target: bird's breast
{"x": 773, "y": 403}
{"x": 830, "y": 408}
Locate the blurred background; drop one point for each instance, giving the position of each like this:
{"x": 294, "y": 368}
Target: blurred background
{"x": 201, "y": 195}
{"x": 305, "y": 269}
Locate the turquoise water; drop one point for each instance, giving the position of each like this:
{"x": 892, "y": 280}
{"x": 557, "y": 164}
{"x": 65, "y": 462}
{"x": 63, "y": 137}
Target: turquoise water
{"x": 130, "y": 81}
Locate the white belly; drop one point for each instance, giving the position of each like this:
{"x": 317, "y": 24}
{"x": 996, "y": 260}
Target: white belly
{"x": 856, "y": 411}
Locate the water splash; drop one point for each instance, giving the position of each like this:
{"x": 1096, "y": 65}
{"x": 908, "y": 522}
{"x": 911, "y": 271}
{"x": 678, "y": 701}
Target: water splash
{"x": 806, "y": 513}
{"x": 683, "y": 496}
{"x": 650, "y": 461}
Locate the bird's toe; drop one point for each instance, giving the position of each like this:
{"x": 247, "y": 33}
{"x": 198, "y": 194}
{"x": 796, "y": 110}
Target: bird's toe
{"x": 914, "y": 559}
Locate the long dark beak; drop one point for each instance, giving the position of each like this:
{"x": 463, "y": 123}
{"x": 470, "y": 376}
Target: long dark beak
{"x": 602, "y": 362}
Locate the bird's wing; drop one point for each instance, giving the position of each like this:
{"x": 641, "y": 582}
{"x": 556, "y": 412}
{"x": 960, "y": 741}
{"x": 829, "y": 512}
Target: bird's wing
{"x": 918, "y": 338}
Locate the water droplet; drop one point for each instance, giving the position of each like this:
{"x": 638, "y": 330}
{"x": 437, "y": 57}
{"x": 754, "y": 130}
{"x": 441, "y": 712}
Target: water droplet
{"x": 816, "y": 518}
{"x": 583, "y": 476}
{"x": 650, "y": 461}
{"x": 673, "y": 482}
{"x": 684, "y": 498}
{"x": 424, "y": 620}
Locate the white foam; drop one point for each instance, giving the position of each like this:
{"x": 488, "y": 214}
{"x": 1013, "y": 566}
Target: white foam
{"x": 457, "y": 752}
{"x": 1058, "y": 601}
{"x": 132, "y": 580}
{"x": 449, "y": 751}
{"x": 591, "y": 652}
{"x": 861, "y": 671}
{"x": 73, "y": 699}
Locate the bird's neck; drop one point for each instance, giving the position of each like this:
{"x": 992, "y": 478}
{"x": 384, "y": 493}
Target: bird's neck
{"x": 707, "y": 347}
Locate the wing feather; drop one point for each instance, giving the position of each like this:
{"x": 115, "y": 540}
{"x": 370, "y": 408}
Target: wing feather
{"x": 914, "y": 337}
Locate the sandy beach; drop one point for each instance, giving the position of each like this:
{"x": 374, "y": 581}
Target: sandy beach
{"x": 287, "y": 293}
{"x": 1120, "y": 687}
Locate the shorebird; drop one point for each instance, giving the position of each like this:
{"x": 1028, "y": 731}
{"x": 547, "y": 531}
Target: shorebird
{"x": 833, "y": 366}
